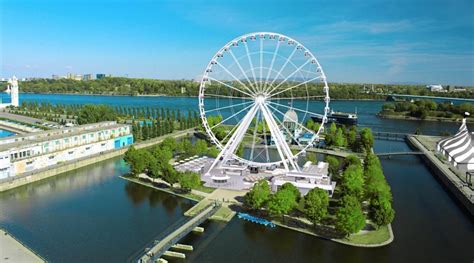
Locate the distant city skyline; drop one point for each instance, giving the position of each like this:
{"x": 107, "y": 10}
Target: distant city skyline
{"x": 420, "y": 41}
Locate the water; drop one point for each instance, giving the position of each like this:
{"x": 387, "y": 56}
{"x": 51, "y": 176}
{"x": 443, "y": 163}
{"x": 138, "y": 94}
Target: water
{"x": 89, "y": 215}
{"x": 4, "y": 133}
{"x": 366, "y": 109}
{"x": 92, "y": 215}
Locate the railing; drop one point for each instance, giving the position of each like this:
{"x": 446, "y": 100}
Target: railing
{"x": 390, "y": 135}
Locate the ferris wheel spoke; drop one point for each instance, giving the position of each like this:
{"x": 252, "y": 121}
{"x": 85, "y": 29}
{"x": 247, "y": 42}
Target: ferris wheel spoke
{"x": 281, "y": 69}
{"x": 251, "y": 64}
{"x": 254, "y": 134}
{"x": 296, "y": 98}
{"x": 232, "y": 116}
{"x": 242, "y": 70}
{"x": 230, "y": 106}
{"x": 297, "y": 123}
{"x": 232, "y": 87}
{"x": 271, "y": 64}
{"x": 264, "y": 123}
{"x": 296, "y": 109}
{"x": 292, "y": 87}
{"x": 261, "y": 63}
{"x": 231, "y": 131}
{"x": 234, "y": 77}
{"x": 230, "y": 97}
{"x": 289, "y": 76}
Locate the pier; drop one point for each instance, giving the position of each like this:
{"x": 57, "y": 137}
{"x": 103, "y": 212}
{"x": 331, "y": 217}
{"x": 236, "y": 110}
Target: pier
{"x": 12, "y": 250}
{"x": 171, "y": 239}
{"x": 453, "y": 179}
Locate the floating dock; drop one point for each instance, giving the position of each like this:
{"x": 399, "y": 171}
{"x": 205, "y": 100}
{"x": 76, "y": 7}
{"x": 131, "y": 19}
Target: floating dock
{"x": 254, "y": 219}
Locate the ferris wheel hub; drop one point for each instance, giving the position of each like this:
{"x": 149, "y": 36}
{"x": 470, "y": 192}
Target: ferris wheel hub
{"x": 260, "y": 99}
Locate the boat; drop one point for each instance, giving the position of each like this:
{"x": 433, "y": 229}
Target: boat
{"x": 338, "y": 117}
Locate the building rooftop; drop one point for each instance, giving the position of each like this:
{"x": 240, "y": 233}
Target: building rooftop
{"x": 42, "y": 136}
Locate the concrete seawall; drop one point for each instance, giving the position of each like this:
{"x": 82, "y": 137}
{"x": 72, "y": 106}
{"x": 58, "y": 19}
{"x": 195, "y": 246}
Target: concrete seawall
{"x": 442, "y": 171}
{"x": 47, "y": 172}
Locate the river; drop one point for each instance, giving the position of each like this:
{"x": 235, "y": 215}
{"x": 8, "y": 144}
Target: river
{"x": 92, "y": 215}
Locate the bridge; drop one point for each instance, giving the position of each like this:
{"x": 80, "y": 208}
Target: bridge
{"x": 394, "y": 136}
{"x": 162, "y": 246}
{"x": 398, "y": 153}
{"x": 430, "y": 97}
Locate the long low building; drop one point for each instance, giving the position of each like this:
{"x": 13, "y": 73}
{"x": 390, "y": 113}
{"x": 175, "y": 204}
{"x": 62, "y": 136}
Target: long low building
{"x": 28, "y": 152}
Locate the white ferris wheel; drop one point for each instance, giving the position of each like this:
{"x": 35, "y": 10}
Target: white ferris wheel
{"x": 256, "y": 94}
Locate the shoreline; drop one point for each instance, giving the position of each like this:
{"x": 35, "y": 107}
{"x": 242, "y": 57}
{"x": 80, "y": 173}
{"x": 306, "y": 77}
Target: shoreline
{"x": 15, "y": 250}
{"x": 165, "y": 95}
{"x": 433, "y": 119}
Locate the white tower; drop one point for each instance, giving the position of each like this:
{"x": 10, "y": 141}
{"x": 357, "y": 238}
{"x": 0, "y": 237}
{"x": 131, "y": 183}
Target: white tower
{"x": 13, "y": 86}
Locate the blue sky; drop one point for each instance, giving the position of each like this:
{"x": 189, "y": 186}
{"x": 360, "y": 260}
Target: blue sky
{"x": 355, "y": 41}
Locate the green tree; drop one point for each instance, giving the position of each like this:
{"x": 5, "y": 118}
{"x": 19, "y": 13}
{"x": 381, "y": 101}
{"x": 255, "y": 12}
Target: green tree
{"x": 169, "y": 174}
{"x": 382, "y": 211}
{"x": 189, "y": 180}
{"x": 282, "y": 202}
{"x": 138, "y": 160}
{"x": 316, "y": 204}
{"x": 212, "y": 151}
{"x": 333, "y": 164}
{"x": 353, "y": 181}
{"x": 349, "y": 217}
{"x": 258, "y": 195}
{"x": 339, "y": 140}
{"x": 366, "y": 139}
{"x": 201, "y": 147}
{"x": 290, "y": 187}
{"x": 91, "y": 113}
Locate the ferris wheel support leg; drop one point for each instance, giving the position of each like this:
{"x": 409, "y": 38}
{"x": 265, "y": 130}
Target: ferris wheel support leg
{"x": 234, "y": 140}
{"x": 283, "y": 149}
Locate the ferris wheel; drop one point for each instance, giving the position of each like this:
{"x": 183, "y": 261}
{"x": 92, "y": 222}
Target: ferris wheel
{"x": 255, "y": 96}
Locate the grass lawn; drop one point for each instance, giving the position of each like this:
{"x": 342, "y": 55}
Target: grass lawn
{"x": 198, "y": 207}
{"x": 371, "y": 237}
{"x": 224, "y": 213}
{"x": 205, "y": 189}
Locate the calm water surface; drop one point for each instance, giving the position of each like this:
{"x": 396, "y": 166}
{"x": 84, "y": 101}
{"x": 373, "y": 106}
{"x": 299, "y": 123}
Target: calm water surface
{"x": 91, "y": 215}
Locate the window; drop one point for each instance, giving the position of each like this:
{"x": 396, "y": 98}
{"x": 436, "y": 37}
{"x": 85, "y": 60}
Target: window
{"x": 71, "y": 152}
{"x": 57, "y": 142}
{"x": 29, "y": 162}
{"x": 51, "y": 157}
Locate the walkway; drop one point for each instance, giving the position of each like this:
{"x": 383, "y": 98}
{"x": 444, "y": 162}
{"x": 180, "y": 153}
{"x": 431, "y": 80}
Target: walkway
{"x": 171, "y": 239}
{"x": 12, "y": 250}
{"x": 449, "y": 175}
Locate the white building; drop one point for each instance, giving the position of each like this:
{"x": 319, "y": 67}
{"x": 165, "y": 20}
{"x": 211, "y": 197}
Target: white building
{"x": 311, "y": 176}
{"x": 435, "y": 88}
{"x": 12, "y": 89}
{"x": 33, "y": 151}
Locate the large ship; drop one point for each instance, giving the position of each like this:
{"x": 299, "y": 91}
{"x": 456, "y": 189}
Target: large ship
{"x": 338, "y": 117}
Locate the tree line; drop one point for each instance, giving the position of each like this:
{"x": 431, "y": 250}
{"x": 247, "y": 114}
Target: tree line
{"x": 427, "y": 108}
{"x": 136, "y": 86}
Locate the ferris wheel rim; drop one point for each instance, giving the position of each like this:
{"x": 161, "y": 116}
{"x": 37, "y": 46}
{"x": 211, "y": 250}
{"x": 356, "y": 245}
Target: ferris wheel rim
{"x": 205, "y": 78}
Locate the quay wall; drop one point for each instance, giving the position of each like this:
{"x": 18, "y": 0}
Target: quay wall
{"x": 60, "y": 168}
{"x": 448, "y": 179}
